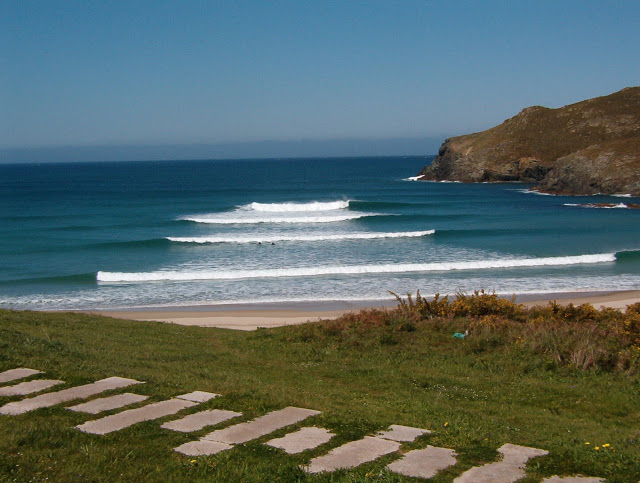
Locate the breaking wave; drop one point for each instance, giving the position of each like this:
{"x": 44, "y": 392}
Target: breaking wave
{"x": 306, "y": 238}
{"x": 532, "y": 192}
{"x": 297, "y": 207}
{"x": 312, "y": 212}
{"x": 235, "y": 218}
{"x": 169, "y": 275}
{"x": 606, "y": 206}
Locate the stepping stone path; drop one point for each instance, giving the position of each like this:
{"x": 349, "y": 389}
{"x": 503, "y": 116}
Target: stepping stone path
{"x": 302, "y": 440}
{"x": 30, "y": 387}
{"x": 353, "y": 454}
{"x": 224, "y": 439}
{"x": 129, "y": 417}
{"x": 78, "y": 392}
{"x": 20, "y": 373}
{"x": 197, "y": 421}
{"x": 369, "y": 448}
{"x": 108, "y": 403}
{"x": 424, "y": 463}
{"x": 510, "y": 469}
{"x": 270, "y": 422}
{"x": 419, "y": 463}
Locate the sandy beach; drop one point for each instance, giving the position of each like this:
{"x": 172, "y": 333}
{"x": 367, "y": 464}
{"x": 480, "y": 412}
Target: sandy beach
{"x": 251, "y": 317}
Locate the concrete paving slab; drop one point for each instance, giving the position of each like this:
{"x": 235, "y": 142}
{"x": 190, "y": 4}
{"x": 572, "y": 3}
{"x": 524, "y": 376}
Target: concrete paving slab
{"x": 302, "y": 440}
{"x": 270, "y": 422}
{"x": 353, "y": 454}
{"x": 403, "y": 434}
{"x": 198, "y": 396}
{"x": 19, "y": 373}
{"x": 127, "y": 418}
{"x": 59, "y": 397}
{"x": 108, "y": 403}
{"x": 424, "y": 463}
{"x": 572, "y": 479}
{"x": 510, "y": 469}
{"x": 29, "y": 387}
{"x": 202, "y": 448}
{"x": 197, "y": 421}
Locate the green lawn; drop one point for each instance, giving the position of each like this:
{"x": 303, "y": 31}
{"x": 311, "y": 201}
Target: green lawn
{"x": 474, "y": 394}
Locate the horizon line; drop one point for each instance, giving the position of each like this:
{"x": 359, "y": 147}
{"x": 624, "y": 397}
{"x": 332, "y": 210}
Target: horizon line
{"x": 267, "y": 149}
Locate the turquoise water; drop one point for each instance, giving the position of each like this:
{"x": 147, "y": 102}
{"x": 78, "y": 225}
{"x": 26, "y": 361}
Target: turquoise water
{"x": 107, "y": 235}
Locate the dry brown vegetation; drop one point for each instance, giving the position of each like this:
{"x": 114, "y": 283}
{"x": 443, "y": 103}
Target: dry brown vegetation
{"x": 581, "y": 337}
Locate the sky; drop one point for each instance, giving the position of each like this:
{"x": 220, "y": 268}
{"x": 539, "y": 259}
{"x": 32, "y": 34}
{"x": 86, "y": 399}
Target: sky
{"x": 105, "y": 79}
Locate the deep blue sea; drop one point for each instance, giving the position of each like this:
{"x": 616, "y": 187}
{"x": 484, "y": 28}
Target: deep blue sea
{"x": 157, "y": 233}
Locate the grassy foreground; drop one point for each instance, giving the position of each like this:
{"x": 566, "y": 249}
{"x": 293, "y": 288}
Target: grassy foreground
{"x": 562, "y": 379}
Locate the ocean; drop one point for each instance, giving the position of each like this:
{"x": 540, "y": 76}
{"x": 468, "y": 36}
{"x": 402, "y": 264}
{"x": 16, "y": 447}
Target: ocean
{"x": 186, "y": 233}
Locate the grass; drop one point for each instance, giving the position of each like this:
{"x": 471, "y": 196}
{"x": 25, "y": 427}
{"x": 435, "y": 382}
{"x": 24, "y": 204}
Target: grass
{"x": 552, "y": 377}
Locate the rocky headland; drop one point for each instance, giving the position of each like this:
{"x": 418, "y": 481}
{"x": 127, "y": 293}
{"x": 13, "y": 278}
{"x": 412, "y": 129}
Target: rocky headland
{"x": 589, "y": 147}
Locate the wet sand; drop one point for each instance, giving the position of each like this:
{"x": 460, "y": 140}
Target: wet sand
{"x": 253, "y": 316}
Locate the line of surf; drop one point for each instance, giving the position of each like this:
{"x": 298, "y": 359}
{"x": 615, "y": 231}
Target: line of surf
{"x": 115, "y": 277}
{"x": 304, "y": 238}
{"x": 297, "y": 207}
{"x": 230, "y": 219}
{"x": 414, "y": 178}
{"x": 604, "y": 206}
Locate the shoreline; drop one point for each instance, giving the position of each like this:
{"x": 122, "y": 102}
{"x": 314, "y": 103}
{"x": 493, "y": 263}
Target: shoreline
{"x": 276, "y": 314}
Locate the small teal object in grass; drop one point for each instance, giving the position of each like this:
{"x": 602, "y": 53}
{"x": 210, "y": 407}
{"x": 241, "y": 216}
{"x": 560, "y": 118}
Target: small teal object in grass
{"x": 459, "y": 335}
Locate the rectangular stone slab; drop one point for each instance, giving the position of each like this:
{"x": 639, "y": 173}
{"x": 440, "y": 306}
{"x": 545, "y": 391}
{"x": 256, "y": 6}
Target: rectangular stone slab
{"x": 127, "y": 418}
{"x": 202, "y": 448}
{"x": 509, "y": 470}
{"x": 402, "y": 434}
{"x": 197, "y": 421}
{"x": 302, "y": 440}
{"x": 29, "y": 387}
{"x": 270, "y": 422}
{"x": 424, "y": 463}
{"x": 78, "y": 392}
{"x": 353, "y": 454}
{"x": 19, "y": 373}
{"x": 198, "y": 396}
{"x": 107, "y": 403}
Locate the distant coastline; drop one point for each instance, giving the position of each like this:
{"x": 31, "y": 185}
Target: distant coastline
{"x": 587, "y": 148}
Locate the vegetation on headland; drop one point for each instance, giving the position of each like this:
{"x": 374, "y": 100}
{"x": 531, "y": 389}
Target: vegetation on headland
{"x": 589, "y": 147}
{"x": 565, "y": 379}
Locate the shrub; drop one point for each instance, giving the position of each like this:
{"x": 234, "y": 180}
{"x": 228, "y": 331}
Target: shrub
{"x": 580, "y": 337}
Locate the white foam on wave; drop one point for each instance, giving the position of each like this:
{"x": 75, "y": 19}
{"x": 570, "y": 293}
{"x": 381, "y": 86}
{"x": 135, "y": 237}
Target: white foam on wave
{"x": 532, "y": 192}
{"x": 236, "y": 218}
{"x": 305, "y": 238}
{"x": 297, "y": 207}
{"x": 170, "y": 275}
{"x": 626, "y": 195}
{"x": 414, "y": 178}
{"x": 593, "y": 205}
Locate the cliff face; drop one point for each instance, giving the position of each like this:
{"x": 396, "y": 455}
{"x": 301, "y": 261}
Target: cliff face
{"x": 589, "y": 147}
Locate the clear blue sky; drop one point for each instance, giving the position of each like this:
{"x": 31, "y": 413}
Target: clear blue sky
{"x": 139, "y": 72}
